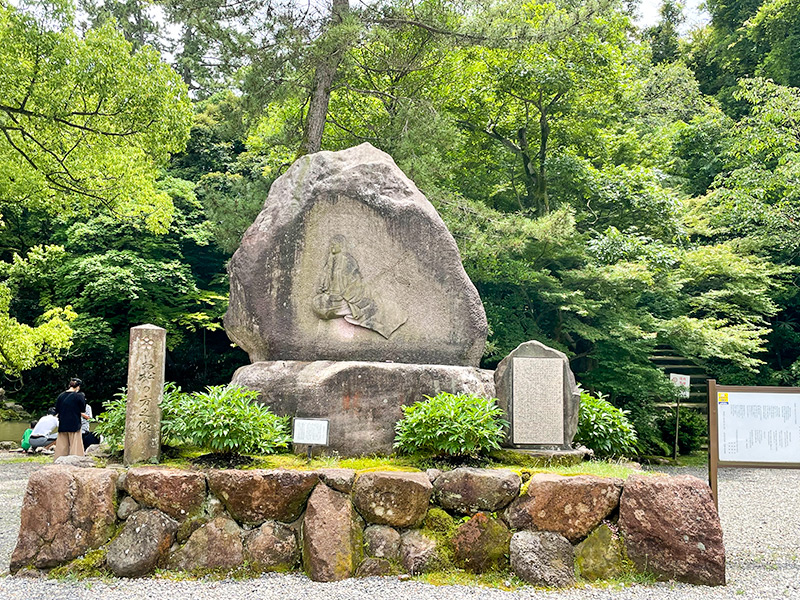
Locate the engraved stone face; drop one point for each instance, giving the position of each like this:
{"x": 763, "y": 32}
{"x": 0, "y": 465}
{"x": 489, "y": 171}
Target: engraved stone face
{"x": 145, "y": 386}
{"x": 344, "y": 294}
{"x": 537, "y": 390}
{"x": 538, "y": 405}
{"x": 349, "y": 261}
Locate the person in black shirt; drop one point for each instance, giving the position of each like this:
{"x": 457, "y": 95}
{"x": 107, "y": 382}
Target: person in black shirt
{"x": 69, "y": 408}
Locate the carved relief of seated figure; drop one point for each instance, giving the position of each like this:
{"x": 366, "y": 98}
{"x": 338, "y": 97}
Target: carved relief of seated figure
{"x": 343, "y": 294}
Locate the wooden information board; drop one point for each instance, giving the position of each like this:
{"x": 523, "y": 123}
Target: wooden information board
{"x": 755, "y": 427}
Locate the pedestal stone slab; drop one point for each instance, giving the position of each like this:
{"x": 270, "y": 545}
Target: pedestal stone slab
{"x": 349, "y": 261}
{"x": 362, "y": 400}
{"x": 536, "y": 388}
{"x": 146, "y": 359}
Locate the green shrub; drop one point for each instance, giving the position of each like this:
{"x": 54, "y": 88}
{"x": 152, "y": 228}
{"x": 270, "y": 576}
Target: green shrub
{"x": 692, "y": 429}
{"x": 221, "y": 419}
{"x": 452, "y": 425}
{"x": 604, "y": 428}
{"x": 228, "y": 419}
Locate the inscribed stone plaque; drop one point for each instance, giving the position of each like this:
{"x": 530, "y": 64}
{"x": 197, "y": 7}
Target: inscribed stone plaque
{"x": 538, "y": 401}
{"x": 147, "y": 353}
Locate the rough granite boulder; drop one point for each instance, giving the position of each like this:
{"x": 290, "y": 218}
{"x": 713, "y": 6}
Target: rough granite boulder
{"x": 272, "y": 547}
{"x": 396, "y": 499}
{"x": 142, "y": 545}
{"x": 258, "y": 495}
{"x": 571, "y": 506}
{"x": 571, "y": 396}
{"x": 671, "y": 529}
{"x": 542, "y": 558}
{"x": 381, "y": 541}
{"x": 332, "y": 536}
{"x": 65, "y": 512}
{"x": 466, "y": 490}
{"x": 418, "y": 553}
{"x": 341, "y": 480}
{"x": 362, "y": 400}
{"x": 127, "y": 507}
{"x": 176, "y": 492}
{"x": 216, "y": 545}
{"x": 374, "y": 567}
{"x": 349, "y": 261}
{"x": 481, "y": 544}
{"x": 601, "y": 555}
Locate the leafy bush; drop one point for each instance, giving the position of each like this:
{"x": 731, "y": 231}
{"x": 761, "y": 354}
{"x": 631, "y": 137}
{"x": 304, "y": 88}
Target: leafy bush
{"x": 452, "y": 425}
{"x": 692, "y": 429}
{"x": 604, "y": 428}
{"x": 227, "y": 419}
{"x": 221, "y": 419}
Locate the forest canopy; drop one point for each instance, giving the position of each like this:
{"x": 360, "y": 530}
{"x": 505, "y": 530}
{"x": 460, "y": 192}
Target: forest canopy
{"x": 615, "y": 192}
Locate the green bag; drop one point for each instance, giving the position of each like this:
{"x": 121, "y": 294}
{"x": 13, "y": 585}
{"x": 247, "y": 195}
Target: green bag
{"x": 26, "y": 444}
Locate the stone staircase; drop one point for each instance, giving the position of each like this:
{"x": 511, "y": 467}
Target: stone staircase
{"x": 666, "y": 358}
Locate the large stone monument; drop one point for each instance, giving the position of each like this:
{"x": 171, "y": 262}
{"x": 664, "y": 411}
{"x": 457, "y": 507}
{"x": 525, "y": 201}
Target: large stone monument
{"x": 147, "y": 353}
{"x": 349, "y": 295}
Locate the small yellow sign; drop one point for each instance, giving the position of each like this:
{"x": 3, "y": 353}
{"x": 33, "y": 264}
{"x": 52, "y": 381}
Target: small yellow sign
{"x": 722, "y": 397}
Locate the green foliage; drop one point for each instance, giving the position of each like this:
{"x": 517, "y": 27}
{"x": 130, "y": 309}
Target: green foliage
{"x": 228, "y": 419}
{"x": 222, "y": 419}
{"x": 452, "y": 425}
{"x": 604, "y": 428}
{"x": 692, "y": 429}
{"x": 23, "y": 347}
{"x": 86, "y": 121}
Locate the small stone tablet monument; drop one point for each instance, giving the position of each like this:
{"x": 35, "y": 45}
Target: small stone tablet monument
{"x": 147, "y": 353}
{"x": 349, "y": 295}
{"x": 537, "y": 390}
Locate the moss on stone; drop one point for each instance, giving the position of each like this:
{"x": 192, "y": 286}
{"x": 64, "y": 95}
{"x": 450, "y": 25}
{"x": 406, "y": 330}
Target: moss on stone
{"x": 91, "y": 564}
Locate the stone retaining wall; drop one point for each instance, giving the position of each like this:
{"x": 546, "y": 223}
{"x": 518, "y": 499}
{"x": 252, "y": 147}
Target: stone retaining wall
{"x": 335, "y": 524}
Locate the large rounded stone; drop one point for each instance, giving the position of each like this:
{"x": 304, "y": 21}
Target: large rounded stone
{"x": 142, "y": 545}
{"x": 272, "y": 547}
{"x": 418, "y": 553}
{"x": 601, "y": 555}
{"x": 65, "y": 512}
{"x": 381, "y": 541}
{"x": 671, "y": 528}
{"x": 542, "y": 558}
{"x": 258, "y": 495}
{"x": 332, "y": 536}
{"x": 361, "y": 400}
{"x": 467, "y": 490}
{"x": 392, "y": 498}
{"x": 349, "y": 261}
{"x": 481, "y": 544}
{"x": 571, "y": 506}
{"x": 216, "y": 545}
{"x": 176, "y": 492}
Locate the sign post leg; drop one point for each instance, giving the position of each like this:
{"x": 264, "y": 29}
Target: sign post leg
{"x": 713, "y": 442}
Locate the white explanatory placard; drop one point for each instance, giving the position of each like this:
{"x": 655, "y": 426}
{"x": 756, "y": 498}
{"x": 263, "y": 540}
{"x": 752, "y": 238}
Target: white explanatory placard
{"x": 758, "y": 427}
{"x": 310, "y": 431}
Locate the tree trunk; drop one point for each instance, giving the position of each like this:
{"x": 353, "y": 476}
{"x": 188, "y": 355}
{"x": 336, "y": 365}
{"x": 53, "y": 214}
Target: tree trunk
{"x": 542, "y": 201}
{"x": 321, "y": 87}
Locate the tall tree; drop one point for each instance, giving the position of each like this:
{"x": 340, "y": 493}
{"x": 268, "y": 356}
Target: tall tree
{"x": 84, "y": 122}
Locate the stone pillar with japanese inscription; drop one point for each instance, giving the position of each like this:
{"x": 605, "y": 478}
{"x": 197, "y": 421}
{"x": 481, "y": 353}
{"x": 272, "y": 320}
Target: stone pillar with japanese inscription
{"x": 147, "y": 353}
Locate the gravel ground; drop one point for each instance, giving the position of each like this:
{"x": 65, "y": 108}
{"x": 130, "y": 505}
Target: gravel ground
{"x": 760, "y": 512}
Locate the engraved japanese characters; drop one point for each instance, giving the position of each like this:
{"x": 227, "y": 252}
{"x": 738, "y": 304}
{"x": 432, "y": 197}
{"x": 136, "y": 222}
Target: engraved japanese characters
{"x": 147, "y": 352}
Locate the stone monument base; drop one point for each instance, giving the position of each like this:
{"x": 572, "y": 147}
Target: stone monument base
{"x": 362, "y": 400}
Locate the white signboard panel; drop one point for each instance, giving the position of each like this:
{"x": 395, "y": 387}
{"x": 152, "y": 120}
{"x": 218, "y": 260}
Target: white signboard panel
{"x": 683, "y": 382}
{"x": 311, "y": 431}
{"x": 758, "y": 427}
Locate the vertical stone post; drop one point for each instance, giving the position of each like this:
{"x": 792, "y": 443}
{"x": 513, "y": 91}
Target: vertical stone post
{"x": 146, "y": 357}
